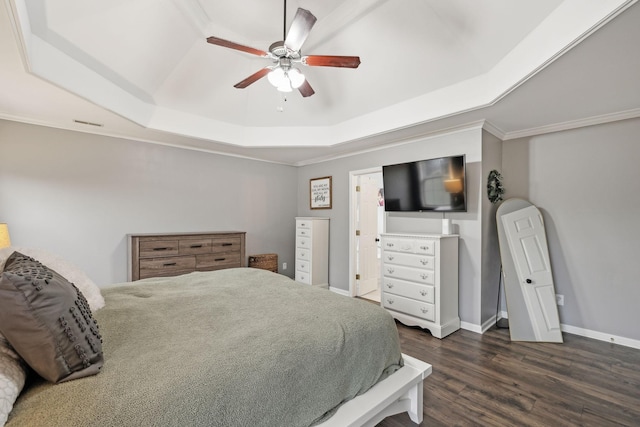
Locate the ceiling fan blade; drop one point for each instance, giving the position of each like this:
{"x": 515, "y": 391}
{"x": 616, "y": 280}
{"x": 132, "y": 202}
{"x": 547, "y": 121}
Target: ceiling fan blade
{"x": 236, "y": 46}
{"x": 306, "y": 89}
{"x": 300, "y": 29}
{"x": 331, "y": 61}
{"x": 252, "y": 78}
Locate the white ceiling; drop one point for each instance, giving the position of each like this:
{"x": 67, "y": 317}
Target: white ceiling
{"x": 144, "y": 71}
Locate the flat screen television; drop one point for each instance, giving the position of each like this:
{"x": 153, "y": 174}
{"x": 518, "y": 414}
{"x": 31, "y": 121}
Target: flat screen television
{"x": 426, "y": 185}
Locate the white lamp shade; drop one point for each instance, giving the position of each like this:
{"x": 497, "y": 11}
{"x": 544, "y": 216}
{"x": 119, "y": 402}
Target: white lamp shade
{"x": 5, "y": 240}
{"x": 296, "y": 77}
{"x": 285, "y": 81}
{"x": 277, "y": 77}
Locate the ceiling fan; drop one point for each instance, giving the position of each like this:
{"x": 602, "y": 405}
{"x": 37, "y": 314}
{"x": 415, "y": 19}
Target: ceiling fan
{"x": 286, "y": 54}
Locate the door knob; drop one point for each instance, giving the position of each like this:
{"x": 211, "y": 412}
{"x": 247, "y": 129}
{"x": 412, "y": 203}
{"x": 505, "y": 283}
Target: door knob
{"x": 528, "y": 281}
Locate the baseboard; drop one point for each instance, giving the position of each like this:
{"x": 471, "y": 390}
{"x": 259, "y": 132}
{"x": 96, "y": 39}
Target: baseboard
{"x": 481, "y": 329}
{"x": 601, "y": 336}
{"x": 339, "y": 291}
{"x": 587, "y": 333}
{"x": 472, "y": 327}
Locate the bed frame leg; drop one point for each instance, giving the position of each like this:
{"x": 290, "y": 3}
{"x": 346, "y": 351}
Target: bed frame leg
{"x": 415, "y": 407}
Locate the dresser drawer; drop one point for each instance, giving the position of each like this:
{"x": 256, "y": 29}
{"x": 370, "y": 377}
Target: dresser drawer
{"x": 415, "y": 291}
{"x": 166, "y": 266}
{"x": 303, "y": 223}
{"x": 226, "y": 244}
{"x": 303, "y": 242}
{"x": 303, "y": 266}
{"x": 303, "y": 232}
{"x": 398, "y": 245}
{"x": 192, "y": 247}
{"x": 412, "y": 307}
{"x": 159, "y": 248}
{"x": 418, "y": 246}
{"x": 426, "y": 247}
{"x": 409, "y": 273}
{"x": 410, "y": 260}
{"x": 218, "y": 261}
{"x": 303, "y": 254}
{"x": 303, "y": 277}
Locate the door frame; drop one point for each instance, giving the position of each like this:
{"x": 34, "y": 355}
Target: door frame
{"x": 353, "y": 205}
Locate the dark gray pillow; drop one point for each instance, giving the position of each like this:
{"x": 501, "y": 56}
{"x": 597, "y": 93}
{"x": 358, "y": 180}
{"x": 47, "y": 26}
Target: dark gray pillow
{"x": 48, "y": 321}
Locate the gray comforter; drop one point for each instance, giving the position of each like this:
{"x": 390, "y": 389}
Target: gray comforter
{"x": 238, "y": 347}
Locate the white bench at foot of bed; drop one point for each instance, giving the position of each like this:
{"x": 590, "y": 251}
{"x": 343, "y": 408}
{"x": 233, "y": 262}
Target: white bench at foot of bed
{"x": 400, "y": 392}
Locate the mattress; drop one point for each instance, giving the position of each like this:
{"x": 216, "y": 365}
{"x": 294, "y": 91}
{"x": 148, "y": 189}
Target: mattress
{"x": 236, "y": 347}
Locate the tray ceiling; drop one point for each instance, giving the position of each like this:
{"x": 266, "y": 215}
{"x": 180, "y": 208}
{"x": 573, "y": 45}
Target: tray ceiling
{"x": 142, "y": 69}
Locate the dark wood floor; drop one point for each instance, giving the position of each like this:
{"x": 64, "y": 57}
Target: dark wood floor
{"x": 488, "y": 380}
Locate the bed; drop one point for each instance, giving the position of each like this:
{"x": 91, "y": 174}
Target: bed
{"x": 233, "y": 347}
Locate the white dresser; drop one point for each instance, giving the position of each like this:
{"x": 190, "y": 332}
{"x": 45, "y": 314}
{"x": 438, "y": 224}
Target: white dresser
{"x": 420, "y": 280}
{"x": 312, "y": 251}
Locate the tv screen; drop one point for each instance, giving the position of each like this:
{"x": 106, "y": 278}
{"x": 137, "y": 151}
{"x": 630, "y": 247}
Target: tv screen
{"x": 426, "y": 185}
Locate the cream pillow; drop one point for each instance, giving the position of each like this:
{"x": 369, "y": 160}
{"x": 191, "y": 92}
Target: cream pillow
{"x": 73, "y": 274}
{"x": 13, "y": 373}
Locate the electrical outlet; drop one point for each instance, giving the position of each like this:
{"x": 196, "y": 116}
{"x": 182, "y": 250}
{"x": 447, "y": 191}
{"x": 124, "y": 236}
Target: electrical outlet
{"x": 284, "y": 265}
{"x": 559, "y": 299}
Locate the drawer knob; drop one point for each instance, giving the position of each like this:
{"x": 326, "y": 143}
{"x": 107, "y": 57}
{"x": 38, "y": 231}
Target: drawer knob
{"x": 390, "y": 257}
{"x": 390, "y": 301}
{"x": 423, "y": 293}
{"x": 424, "y": 248}
{"x": 389, "y": 245}
{"x": 424, "y": 310}
{"x": 390, "y": 285}
{"x": 390, "y": 270}
{"x": 424, "y": 276}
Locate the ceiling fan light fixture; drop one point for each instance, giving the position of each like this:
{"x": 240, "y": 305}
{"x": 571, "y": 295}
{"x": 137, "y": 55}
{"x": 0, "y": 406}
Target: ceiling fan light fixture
{"x": 296, "y": 77}
{"x": 285, "y": 81}
{"x": 285, "y": 87}
{"x": 277, "y": 77}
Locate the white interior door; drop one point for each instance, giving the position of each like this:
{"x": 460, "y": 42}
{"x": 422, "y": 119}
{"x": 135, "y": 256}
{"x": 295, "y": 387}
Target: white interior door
{"x": 367, "y": 245}
{"x": 525, "y": 233}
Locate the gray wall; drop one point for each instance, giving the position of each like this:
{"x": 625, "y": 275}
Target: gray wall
{"x": 468, "y": 224}
{"x": 78, "y": 195}
{"x": 586, "y": 183}
{"x": 491, "y": 159}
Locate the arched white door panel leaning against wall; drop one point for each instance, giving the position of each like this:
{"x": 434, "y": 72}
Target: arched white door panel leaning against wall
{"x": 528, "y": 278}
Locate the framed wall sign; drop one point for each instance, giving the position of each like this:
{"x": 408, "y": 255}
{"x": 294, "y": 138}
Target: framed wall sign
{"x": 320, "y": 193}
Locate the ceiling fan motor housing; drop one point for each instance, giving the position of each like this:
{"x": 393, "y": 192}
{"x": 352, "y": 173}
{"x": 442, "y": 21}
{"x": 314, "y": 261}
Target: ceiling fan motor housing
{"x": 279, "y": 50}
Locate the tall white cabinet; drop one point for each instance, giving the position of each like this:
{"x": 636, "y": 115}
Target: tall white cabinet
{"x": 312, "y": 251}
{"x": 420, "y": 280}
